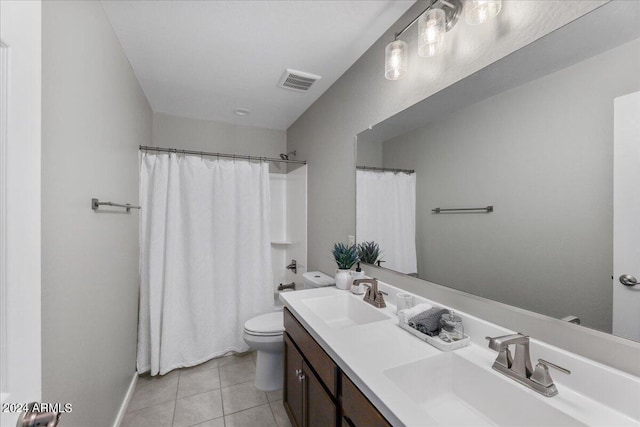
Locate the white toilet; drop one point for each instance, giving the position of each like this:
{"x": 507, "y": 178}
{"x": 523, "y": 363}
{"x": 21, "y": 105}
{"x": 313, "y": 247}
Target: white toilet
{"x": 264, "y": 334}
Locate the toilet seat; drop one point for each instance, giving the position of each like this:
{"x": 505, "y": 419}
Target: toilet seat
{"x": 266, "y": 325}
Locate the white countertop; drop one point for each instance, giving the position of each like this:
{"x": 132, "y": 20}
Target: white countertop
{"x": 365, "y": 351}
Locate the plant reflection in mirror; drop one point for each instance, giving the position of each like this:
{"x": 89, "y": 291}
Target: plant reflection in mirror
{"x": 369, "y": 252}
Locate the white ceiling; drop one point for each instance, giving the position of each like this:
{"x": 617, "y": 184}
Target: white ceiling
{"x": 203, "y": 59}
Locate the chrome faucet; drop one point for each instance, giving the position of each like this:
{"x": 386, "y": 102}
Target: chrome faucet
{"x": 519, "y": 367}
{"x": 373, "y": 296}
{"x": 293, "y": 266}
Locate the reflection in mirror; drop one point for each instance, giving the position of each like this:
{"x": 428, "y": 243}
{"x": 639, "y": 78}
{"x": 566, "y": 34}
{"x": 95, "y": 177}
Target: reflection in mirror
{"x": 384, "y": 197}
{"x": 535, "y": 135}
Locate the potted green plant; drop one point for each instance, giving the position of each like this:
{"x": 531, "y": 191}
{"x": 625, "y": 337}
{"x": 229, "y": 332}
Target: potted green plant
{"x": 368, "y": 252}
{"x": 346, "y": 256}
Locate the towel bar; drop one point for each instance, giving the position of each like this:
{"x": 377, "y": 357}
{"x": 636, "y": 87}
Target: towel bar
{"x": 95, "y": 204}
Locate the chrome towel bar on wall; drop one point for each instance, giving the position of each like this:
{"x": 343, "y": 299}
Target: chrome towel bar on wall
{"x": 95, "y": 204}
{"x": 469, "y": 210}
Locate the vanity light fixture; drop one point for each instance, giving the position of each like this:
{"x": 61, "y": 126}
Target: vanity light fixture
{"x": 395, "y": 60}
{"x": 478, "y": 12}
{"x": 438, "y": 18}
{"x": 431, "y": 28}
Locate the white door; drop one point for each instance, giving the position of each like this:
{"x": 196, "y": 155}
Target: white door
{"x": 20, "y": 145}
{"x": 626, "y": 215}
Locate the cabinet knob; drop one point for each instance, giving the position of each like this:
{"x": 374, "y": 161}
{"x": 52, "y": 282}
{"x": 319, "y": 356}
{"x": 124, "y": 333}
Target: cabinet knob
{"x": 301, "y": 377}
{"x": 298, "y": 372}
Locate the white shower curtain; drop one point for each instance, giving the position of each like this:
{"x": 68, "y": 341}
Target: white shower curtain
{"x": 386, "y": 214}
{"x": 205, "y": 257}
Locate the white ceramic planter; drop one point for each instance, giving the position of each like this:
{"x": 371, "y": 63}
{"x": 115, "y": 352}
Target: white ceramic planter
{"x": 344, "y": 279}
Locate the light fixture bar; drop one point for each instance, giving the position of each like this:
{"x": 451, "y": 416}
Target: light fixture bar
{"x": 402, "y": 31}
{"x": 451, "y": 8}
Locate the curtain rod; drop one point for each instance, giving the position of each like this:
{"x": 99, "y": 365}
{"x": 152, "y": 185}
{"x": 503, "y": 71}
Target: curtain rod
{"x": 371, "y": 168}
{"x": 229, "y": 156}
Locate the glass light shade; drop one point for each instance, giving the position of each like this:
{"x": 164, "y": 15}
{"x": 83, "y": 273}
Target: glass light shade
{"x": 395, "y": 60}
{"x": 480, "y": 11}
{"x": 431, "y": 28}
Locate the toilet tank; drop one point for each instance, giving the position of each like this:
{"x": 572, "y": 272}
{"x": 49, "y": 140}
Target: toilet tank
{"x": 316, "y": 279}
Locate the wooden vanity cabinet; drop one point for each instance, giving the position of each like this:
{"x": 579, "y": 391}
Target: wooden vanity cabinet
{"x": 356, "y": 410}
{"x": 292, "y": 393}
{"x": 306, "y": 398}
{"x": 316, "y": 393}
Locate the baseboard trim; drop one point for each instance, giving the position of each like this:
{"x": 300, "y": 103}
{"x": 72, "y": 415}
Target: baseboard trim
{"x": 126, "y": 400}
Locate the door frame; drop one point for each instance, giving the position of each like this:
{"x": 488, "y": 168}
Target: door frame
{"x": 20, "y": 211}
{"x": 4, "y": 97}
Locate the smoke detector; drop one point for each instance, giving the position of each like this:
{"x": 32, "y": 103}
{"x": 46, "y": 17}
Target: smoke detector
{"x": 297, "y": 80}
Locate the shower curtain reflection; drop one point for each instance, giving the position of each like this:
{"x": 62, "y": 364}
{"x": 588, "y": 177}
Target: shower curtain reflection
{"x": 205, "y": 257}
{"x": 386, "y": 214}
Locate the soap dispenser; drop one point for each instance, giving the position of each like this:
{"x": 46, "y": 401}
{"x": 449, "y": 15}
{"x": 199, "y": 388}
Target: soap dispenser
{"x": 358, "y": 274}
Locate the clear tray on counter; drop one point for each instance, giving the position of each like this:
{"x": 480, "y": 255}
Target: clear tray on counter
{"x": 436, "y": 341}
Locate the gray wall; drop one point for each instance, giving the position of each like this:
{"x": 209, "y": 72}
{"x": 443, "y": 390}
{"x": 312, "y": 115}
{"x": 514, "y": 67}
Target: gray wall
{"x": 324, "y": 136}
{"x": 219, "y": 137}
{"x": 94, "y": 116}
{"x": 543, "y": 155}
{"x": 369, "y": 154}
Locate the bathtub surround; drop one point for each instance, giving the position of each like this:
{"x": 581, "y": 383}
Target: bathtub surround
{"x": 205, "y": 257}
{"x": 94, "y": 116}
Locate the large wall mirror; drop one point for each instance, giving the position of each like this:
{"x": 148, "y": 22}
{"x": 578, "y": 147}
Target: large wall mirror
{"x": 543, "y": 147}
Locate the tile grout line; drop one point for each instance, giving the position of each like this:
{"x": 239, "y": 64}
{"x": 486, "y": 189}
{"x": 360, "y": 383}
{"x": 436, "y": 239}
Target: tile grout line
{"x": 273, "y": 414}
{"x": 221, "y": 397}
{"x": 175, "y": 402}
{"x": 246, "y": 409}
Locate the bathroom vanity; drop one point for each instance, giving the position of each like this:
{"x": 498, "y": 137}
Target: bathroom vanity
{"x": 348, "y": 363}
{"x": 316, "y": 391}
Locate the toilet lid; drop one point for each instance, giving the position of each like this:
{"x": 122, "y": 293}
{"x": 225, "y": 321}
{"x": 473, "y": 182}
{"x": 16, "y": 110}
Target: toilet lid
{"x": 266, "y": 324}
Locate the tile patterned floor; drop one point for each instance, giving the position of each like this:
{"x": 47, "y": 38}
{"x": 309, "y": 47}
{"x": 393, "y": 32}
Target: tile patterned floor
{"x": 218, "y": 393}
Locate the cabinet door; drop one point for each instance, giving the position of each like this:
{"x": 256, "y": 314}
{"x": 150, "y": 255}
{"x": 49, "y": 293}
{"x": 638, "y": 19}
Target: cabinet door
{"x": 357, "y": 411}
{"x": 320, "y": 411}
{"x": 323, "y": 366}
{"x": 292, "y": 393}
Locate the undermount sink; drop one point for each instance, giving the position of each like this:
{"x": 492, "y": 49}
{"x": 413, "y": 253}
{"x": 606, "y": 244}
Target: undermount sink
{"x": 341, "y": 311}
{"x": 456, "y": 392}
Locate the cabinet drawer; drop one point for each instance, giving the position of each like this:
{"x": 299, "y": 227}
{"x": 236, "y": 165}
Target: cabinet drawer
{"x": 357, "y": 411}
{"x": 318, "y": 359}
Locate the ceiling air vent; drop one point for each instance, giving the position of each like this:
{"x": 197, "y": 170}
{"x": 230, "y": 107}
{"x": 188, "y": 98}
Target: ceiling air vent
{"x": 297, "y": 80}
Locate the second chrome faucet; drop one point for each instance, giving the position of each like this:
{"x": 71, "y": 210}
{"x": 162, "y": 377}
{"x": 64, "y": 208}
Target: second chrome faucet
{"x": 519, "y": 367}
